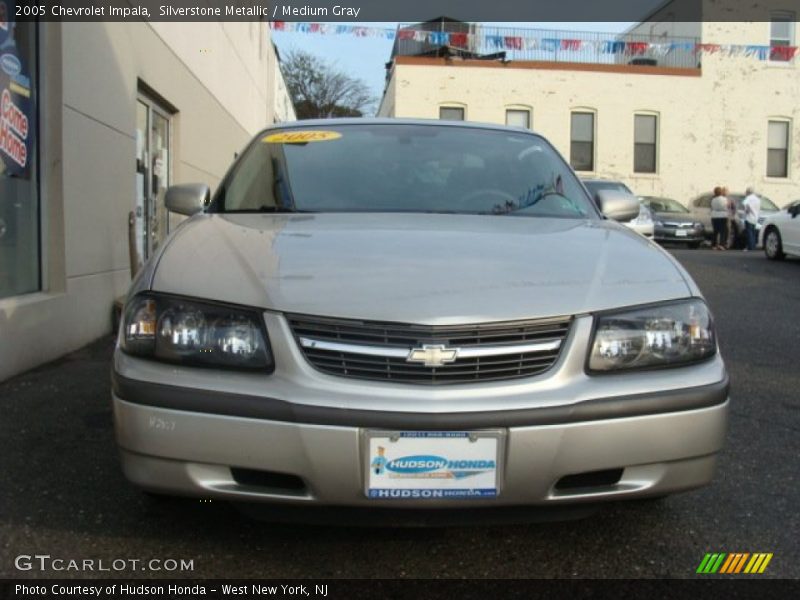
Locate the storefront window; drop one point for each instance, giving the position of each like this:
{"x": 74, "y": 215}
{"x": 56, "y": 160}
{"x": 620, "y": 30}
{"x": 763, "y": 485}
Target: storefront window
{"x": 19, "y": 198}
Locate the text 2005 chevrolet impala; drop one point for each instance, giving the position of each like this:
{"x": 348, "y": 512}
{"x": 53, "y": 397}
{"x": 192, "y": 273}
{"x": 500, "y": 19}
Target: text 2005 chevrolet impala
{"x": 413, "y": 314}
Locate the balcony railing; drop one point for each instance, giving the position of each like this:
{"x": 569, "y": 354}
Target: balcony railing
{"x": 472, "y": 40}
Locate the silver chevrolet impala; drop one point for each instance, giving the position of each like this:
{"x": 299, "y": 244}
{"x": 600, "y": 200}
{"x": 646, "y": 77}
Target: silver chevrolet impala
{"x": 413, "y": 314}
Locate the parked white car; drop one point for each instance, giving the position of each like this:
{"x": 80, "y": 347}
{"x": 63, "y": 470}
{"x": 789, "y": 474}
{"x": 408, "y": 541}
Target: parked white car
{"x": 780, "y": 233}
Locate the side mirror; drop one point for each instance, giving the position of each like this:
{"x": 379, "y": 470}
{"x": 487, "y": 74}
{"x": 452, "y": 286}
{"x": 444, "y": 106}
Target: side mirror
{"x": 618, "y": 205}
{"x": 187, "y": 198}
{"x": 795, "y": 210}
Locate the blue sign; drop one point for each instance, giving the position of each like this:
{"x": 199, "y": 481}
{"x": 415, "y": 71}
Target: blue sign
{"x": 17, "y": 96}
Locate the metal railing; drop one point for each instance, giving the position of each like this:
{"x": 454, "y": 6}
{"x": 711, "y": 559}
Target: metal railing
{"x": 473, "y": 40}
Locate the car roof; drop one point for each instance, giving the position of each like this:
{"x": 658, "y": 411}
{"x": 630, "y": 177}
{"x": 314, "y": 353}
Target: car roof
{"x": 396, "y": 121}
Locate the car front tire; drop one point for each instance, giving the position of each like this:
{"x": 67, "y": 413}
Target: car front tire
{"x": 773, "y": 246}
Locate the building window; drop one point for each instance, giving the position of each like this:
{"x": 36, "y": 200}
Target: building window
{"x": 518, "y": 117}
{"x": 778, "y": 149}
{"x": 781, "y": 36}
{"x": 581, "y": 150}
{"x": 645, "y": 132}
{"x": 19, "y": 193}
{"x": 451, "y": 113}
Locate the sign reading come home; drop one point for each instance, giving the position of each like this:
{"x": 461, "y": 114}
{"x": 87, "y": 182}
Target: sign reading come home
{"x": 16, "y": 101}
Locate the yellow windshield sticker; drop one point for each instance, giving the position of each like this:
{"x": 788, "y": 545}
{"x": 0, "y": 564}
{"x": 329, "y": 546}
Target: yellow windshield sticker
{"x": 301, "y": 137}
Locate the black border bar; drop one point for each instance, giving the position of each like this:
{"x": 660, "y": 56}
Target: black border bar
{"x": 365, "y": 11}
{"x": 695, "y": 586}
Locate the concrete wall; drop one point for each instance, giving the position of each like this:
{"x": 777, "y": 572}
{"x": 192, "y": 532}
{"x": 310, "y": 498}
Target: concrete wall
{"x": 283, "y": 107}
{"x": 219, "y": 79}
{"x": 712, "y": 122}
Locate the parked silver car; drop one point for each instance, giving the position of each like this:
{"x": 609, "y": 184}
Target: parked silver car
{"x": 642, "y": 223}
{"x": 700, "y": 208}
{"x": 413, "y": 314}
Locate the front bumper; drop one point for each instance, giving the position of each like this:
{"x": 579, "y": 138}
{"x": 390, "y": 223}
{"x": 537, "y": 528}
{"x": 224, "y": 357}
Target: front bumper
{"x": 192, "y": 454}
{"x": 686, "y": 235}
{"x": 182, "y": 430}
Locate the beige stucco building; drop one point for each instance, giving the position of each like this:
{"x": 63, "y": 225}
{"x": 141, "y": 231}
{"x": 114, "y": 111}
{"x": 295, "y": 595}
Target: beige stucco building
{"x": 663, "y": 125}
{"x": 115, "y": 113}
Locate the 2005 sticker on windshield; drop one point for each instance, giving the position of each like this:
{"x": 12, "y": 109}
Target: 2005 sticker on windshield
{"x": 301, "y": 137}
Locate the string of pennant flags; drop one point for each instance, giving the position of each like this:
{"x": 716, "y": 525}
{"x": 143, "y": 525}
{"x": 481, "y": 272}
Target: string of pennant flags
{"x": 547, "y": 44}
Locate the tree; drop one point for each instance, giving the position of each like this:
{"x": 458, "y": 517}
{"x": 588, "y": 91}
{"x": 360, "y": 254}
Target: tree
{"x": 320, "y": 91}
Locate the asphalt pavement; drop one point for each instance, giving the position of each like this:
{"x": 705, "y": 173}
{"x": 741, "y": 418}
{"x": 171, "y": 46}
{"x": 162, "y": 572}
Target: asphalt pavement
{"x": 63, "y": 494}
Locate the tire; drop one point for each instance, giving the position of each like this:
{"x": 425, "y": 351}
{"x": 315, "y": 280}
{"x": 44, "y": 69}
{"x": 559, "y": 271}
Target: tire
{"x": 773, "y": 246}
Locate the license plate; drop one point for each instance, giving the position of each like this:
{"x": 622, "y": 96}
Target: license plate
{"x": 681, "y": 233}
{"x": 431, "y": 465}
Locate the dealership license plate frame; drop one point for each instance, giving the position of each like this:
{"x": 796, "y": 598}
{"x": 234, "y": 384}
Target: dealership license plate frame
{"x": 394, "y": 436}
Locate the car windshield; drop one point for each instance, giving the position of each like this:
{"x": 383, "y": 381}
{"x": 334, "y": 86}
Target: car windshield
{"x": 403, "y": 168}
{"x": 766, "y": 203}
{"x": 664, "y": 205}
{"x": 616, "y": 186}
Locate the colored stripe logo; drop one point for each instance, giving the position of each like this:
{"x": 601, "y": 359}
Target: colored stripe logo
{"x": 734, "y": 563}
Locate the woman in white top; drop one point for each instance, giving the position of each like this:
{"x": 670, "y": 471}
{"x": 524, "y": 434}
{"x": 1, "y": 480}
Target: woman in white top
{"x": 719, "y": 219}
{"x": 731, "y": 218}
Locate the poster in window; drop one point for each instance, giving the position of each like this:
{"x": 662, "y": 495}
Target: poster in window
{"x": 17, "y": 97}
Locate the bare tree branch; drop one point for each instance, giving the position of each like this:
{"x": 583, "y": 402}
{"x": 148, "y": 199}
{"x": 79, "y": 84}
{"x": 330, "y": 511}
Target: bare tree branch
{"x": 320, "y": 90}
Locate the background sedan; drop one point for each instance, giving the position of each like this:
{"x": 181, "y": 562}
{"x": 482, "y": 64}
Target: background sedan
{"x": 673, "y": 222}
{"x": 700, "y": 208}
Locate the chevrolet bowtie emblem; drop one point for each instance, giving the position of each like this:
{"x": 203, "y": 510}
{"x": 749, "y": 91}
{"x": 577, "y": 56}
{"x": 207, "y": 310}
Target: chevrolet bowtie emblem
{"x": 432, "y": 355}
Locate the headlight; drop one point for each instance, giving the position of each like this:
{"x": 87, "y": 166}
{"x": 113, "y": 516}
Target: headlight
{"x": 653, "y": 336}
{"x": 658, "y": 223}
{"x": 196, "y": 333}
{"x": 698, "y": 226}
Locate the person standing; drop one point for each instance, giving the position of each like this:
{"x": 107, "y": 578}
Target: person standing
{"x": 731, "y": 222}
{"x": 719, "y": 219}
{"x": 752, "y": 210}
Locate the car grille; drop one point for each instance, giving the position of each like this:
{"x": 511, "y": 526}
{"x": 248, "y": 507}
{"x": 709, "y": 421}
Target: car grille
{"x": 380, "y": 351}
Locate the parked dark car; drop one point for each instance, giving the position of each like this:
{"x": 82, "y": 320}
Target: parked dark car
{"x": 673, "y": 222}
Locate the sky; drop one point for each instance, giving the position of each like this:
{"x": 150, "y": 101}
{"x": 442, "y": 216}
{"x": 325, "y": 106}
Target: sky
{"x": 366, "y": 57}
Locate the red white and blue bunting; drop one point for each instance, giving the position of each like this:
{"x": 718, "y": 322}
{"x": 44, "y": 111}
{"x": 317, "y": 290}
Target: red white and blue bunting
{"x": 489, "y": 43}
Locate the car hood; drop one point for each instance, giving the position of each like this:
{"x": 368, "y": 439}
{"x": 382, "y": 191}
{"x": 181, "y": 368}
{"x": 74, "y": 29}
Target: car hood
{"x": 420, "y": 268}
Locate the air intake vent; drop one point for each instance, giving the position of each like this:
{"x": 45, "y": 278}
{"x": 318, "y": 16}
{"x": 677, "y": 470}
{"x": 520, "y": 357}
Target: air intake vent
{"x": 275, "y": 482}
{"x": 590, "y": 479}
